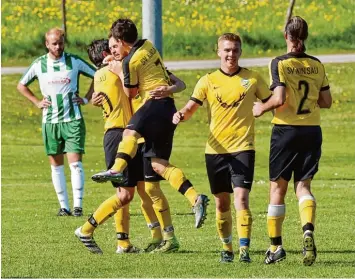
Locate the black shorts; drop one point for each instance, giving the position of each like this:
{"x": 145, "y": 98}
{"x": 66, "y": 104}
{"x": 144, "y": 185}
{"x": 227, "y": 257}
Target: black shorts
{"x": 294, "y": 149}
{"x": 154, "y": 122}
{"x": 139, "y": 168}
{"x": 226, "y": 171}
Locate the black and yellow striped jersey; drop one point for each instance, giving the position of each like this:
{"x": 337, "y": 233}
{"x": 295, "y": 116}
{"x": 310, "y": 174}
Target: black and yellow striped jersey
{"x": 143, "y": 68}
{"x": 230, "y": 99}
{"x": 116, "y": 106}
{"x": 304, "y": 77}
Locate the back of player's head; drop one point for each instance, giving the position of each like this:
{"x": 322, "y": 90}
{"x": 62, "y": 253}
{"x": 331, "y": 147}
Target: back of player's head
{"x": 96, "y": 51}
{"x": 56, "y": 31}
{"x": 297, "y": 31}
{"x": 124, "y": 29}
{"x": 230, "y": 37}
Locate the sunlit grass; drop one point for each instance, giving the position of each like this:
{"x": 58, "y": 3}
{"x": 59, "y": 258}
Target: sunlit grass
{"x": 36, "y": 243}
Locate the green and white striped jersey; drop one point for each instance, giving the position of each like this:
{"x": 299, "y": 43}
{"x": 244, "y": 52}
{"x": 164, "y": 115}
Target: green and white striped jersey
{"x": 59, "y": 83}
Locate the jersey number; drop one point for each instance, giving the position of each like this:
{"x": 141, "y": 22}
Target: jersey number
{"x": 157, "y": 62}
{"x": 305, "y": 94}
{"x": 109, "y": 103}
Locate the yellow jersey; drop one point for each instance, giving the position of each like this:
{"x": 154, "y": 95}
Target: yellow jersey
{"x": 143, "y": 68}
{"x": 304, "y": 77}
{"x": 230, "y": 99}
{"x": 116, "y": 106}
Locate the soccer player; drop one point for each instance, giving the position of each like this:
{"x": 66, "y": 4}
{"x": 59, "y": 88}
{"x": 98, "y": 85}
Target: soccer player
{"x": 117, "y": 112}
{"x": 230, "y": 93}
{"x": 300, "y": 88}
{"x": 63, "y": 126}
{"x": 144, "y": 76}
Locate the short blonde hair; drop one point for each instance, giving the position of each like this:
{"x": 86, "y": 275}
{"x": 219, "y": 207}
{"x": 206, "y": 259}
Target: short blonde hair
{"x": 55, "y": 30}
{"x": 230, "y": 37}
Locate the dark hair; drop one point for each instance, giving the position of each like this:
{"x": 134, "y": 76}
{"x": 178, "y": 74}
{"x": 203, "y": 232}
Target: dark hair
{"x": 297, "y": 32}
{"x": 95, "y": 51}
{"x": 124, "y": 29}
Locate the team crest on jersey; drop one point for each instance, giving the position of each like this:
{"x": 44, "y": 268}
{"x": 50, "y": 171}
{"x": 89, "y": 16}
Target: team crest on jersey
{"x": 245, "y": 83}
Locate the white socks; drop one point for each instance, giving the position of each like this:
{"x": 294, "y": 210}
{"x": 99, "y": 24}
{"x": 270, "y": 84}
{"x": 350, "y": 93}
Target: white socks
{"x": 60, "y": 186}
{"x": 77, "y": 181}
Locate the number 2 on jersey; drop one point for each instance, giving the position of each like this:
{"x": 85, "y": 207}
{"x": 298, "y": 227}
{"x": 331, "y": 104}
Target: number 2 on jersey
{"x": 305, "y": 94}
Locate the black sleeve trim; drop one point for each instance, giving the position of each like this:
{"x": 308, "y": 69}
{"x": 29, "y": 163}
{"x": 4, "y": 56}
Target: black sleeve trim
{"x": 266, "y": 99}
{"x": 125, "y": 63}
{"x": 196, "y": 101}
{"x": 274, "y": 70}
{"x": 274, "y": 85}
{"x": 131, "y": 86}
{"x": 325, "y": 88}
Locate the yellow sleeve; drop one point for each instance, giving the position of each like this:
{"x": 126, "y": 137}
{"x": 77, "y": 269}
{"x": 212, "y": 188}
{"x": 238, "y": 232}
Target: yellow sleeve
{"x": 262, "y": 90}
{"x": 200, "y": 91}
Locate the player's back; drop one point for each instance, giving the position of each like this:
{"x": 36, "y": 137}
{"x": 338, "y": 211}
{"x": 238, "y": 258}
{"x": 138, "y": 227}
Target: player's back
{"x": 144, "y": 68}
{"x": 116, "y": 106}
{"x": 304, "y": 77}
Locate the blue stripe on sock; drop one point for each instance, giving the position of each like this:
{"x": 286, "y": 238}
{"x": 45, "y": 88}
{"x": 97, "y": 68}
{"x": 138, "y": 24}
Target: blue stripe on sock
{"x": 244, "y": 242}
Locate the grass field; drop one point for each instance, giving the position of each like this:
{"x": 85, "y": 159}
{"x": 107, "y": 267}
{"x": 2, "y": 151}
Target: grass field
{"x": 190, "y": 27}
{"x": 36, "y": 243}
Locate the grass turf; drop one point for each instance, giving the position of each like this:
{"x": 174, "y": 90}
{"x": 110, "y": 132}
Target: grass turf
{"x": 36, "y": 243}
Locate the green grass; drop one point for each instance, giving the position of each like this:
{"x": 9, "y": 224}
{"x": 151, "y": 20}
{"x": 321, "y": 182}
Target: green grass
{"x": 190, "y": 27}
{"x": 36, "y": 243}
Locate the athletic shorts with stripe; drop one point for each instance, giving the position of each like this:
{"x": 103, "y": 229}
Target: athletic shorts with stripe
{"x": 139, "y": 168}
{"x": 64, "y": 137}
{"x": 154, "y": 122}
{"x": 294, "y": 149}
{"x": 226, "y": 171}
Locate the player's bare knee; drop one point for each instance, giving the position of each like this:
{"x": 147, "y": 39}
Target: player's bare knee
{"x": 222, "y": 202}
{"x": 125, "y": 195}
{"x": 159, "y": 165}
{"x": 128, "y": 132}
{"x": 241, "y": 198}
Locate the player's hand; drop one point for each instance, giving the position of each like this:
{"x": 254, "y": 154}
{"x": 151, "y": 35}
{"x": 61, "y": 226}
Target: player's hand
{"x": 178, "y": 117}
{"x": 115, "y": 67}
{"x": 107, "y": 59}
{"x": 80, "y": 101}
{"x": 97, "y": 98}
{"x": 258, "y": 109}
{"x": 44, "y": 103}
{"x": 161, "y": 92}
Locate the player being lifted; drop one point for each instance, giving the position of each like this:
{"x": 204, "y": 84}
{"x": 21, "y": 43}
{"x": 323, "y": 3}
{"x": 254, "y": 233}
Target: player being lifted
{"x": 143, "y": 73}
{"x": 117, "y": 112}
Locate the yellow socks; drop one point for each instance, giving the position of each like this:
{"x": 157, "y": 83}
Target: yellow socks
{"x": 149, "y": 213}
{"x": 224, "y": 229}
{"x": 307, "y": 209}
{"x": 127, "y": 149}
{"x": 275, "y": 218}
{"x": 161, "y": 208}
{"x": 178, "y": 181}
{"x": 105, "y": 210}
{"x": 122, "y": 226}
{"x": 191, "y": 195}
{"x": 244, "y": 221}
